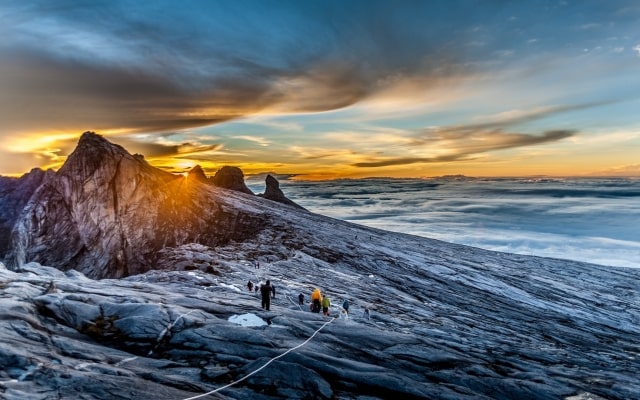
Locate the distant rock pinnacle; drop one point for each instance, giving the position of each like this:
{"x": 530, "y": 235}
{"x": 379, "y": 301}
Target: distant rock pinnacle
{"x": 273, "y": 192}
{"x": 197, "y": 173}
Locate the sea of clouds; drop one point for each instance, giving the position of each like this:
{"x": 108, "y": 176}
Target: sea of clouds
{"x": 591, "y": 220}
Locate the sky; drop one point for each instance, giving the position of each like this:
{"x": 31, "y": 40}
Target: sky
{"x": 327, "y": 89}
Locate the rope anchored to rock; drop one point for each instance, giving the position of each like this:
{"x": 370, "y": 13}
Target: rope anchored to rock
{"x": 264, "y": 366}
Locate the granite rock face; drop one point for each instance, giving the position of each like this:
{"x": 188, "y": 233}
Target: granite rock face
{"x": 14, "y": 195}
{"x": 107, "y": 213}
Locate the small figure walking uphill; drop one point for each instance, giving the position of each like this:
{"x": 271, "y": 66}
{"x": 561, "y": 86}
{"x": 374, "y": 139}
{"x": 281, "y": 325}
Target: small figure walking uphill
{"x": 326, "y": 303}
{"x": 266, "y": 290}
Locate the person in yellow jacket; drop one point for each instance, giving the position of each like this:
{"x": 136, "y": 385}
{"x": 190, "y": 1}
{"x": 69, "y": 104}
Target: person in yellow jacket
{"x": 326, "y": 303}
{"x": 316, "y": 301}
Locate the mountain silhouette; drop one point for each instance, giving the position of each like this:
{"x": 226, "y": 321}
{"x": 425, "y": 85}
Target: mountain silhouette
{"x": 107, "y": 213}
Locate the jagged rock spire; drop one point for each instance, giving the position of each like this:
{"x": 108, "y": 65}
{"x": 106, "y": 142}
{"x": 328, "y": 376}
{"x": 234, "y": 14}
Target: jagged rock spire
{"x": 92, "y": 152}
{"x": 197, "y": 173}
{"x": 273, "y": 192}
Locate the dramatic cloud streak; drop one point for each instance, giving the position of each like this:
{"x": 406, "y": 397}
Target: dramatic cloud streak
{"x": 42, "y": 93}
{"x": 113, "y": 68}
{"x": 463, "y": 146}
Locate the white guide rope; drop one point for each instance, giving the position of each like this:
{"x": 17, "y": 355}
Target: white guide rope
{"x": 264, "y": 366}
{"x": 294, "y": 303}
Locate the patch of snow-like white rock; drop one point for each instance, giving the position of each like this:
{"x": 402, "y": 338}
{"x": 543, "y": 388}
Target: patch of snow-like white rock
{"x": 249, "y": 319}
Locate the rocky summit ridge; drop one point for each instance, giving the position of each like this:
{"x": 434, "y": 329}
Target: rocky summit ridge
{"x": 160, "y": 308}
{"x": 106, "y": 213}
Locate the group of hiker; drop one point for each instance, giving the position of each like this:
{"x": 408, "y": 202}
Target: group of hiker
{"x": 318, "y": 300}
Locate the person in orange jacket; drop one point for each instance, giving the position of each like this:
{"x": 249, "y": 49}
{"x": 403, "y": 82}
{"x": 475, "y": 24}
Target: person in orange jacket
{"x": 316, "y": 301}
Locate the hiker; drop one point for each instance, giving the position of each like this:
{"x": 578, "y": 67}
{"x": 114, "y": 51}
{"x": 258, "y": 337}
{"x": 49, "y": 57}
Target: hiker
{"x": 326, "y": 303}
{"x": 345, "y": 306}
{"x": 316, "y": 306}
{"x": 366, "y": 313}
{"x": 265, "y": 290}
{"x": 250, "y": 286}
{"x": 273, "y": 290}
{"x": 316, "y": 298}
{"x": 257, "y": 288}
{"x": 300, "y": 299}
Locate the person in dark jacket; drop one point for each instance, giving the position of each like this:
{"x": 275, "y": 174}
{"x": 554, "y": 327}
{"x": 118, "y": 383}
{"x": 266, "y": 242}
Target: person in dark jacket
{"x": 345, "y": 306}
{"x": 273, "y": 290}
{"x": 250, "y": 286}
{"x": 301, "y": 299}
{"x": 265, "y": 290}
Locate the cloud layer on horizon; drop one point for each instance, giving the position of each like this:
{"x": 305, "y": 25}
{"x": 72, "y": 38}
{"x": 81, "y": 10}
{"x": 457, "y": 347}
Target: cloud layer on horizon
{"x": 587, "y": 220}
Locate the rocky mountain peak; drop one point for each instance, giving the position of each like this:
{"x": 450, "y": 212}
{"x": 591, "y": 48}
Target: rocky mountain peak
{"x": 92, "y": 153}
{"x": 198, "y": 174}
{"x": 93, "y": 140}
{"x": 229, "y": 177}
{"x": 108, "y": 213}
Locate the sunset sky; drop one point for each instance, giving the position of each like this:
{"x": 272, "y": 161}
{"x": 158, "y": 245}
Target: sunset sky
{"x": 327, "y": 89}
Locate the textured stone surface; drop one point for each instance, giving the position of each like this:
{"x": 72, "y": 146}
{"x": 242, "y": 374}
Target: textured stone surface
{"x": 14, "y": 195}
{"x": 447, "y": 322}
